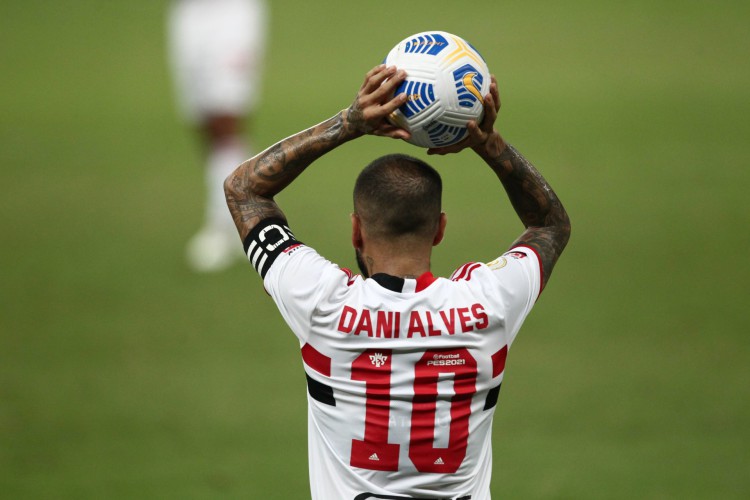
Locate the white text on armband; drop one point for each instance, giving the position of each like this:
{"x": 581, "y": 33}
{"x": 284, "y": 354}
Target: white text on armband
{"x": 395, "y": 324}
{"x": 266, "y": 242}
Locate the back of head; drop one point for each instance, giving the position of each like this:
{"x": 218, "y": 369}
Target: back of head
{"x": 398, "y": 196}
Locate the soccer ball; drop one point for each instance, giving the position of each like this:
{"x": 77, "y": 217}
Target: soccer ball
{"x": 446, "y": 82}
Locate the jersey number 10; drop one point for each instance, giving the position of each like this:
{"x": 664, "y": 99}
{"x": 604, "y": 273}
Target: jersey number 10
{"x": 374, "y": 452}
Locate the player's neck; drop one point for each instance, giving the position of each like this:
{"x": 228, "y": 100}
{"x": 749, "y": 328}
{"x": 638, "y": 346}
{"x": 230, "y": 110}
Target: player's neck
{"x": 397, "y": 262}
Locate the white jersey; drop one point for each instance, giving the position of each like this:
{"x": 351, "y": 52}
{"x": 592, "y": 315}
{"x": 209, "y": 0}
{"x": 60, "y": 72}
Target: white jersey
{"x": 216, "y": 50}
{"x": 403, "y": 374}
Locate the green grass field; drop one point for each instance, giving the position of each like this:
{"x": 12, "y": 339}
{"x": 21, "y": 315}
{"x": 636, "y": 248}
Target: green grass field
{"x": 123, "y": 375}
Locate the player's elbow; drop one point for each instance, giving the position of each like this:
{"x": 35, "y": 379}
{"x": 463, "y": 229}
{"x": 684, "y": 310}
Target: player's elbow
{"x": 562, "y": 230}
{"x": 229, "y": 192}
{"x": 233, "y": 186}
{"x": 565, "y": 227}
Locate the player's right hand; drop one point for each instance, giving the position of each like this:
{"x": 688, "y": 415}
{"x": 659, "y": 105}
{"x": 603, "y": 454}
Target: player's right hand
{"x": 369, "y": 112}
{"x": 482, "y": 137}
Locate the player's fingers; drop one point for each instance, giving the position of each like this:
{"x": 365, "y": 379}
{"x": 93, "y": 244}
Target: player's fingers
{"x": 490, "y": 114}
{"x": 371, "y": 73}
{"x": 454, "y": 148}
{"x": 392, "y": 105}
{"x": 477, "y": 133}
{"x": 366, "y": 81}
{"x": 445, "y": 150}
{"x": 389, "y": 86}
{"x": 495, "y": 92}
{"x": 393, "y": 132}
{"x": 374, "y": 81}
{"x": 375, "y": 69}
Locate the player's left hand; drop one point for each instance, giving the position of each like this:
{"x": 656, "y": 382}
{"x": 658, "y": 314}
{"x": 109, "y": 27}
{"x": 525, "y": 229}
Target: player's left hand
{"x": 369, "y": 112}
{"x": 482, "y": 135}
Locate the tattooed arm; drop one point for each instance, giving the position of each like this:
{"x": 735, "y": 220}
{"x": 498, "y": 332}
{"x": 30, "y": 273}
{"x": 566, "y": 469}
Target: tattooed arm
{"x": 546, "y": 221}
{"x": 251, "y": 187}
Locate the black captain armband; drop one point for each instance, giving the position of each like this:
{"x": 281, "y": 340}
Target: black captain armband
{"x": 266, "y": 241}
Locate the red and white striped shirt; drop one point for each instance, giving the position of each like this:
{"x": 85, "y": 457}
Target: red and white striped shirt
{"x": 403, "y": 374}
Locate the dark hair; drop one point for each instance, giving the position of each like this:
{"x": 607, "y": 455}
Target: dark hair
{"x": 398, "y": 195}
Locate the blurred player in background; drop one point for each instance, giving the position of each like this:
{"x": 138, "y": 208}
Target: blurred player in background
{"x": 403, "y": 368}
{"x": 216, "y": 50}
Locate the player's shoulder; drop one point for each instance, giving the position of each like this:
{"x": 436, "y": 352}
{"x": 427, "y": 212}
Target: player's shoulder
{"x": 465, "y": 272}
{"x": 520, "y": 263}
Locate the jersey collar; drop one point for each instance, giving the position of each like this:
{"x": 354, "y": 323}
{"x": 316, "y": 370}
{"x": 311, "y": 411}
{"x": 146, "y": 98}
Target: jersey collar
{"x": 404, "y": 285}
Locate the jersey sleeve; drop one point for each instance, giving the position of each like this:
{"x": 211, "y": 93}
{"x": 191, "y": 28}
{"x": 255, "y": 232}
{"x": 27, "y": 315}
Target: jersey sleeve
{"x": 519, "y": 278}
{"x": 294, "y": 275}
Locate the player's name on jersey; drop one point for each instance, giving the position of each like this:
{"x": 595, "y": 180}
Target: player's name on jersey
{"x": 411, "y": 324}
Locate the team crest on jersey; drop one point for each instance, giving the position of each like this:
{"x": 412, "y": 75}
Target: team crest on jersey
{"x": 378, "y": 359}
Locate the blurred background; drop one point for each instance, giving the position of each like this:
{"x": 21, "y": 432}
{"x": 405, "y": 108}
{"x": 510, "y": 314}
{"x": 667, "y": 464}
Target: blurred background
{"x": 125, "y": 375}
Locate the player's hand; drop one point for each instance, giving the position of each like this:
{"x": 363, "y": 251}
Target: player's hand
{"x": 482, "y": 137}
{"x": 369, "y": 112}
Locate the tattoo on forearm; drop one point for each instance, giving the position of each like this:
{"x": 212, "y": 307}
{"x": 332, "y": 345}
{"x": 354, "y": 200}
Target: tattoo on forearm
{"x": 537, "y": 205}
{"x": 251, "y": 188}
{"x": 354, "y": 120}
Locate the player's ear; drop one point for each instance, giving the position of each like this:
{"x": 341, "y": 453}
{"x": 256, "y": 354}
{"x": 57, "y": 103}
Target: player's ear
{"x": 441, "y": 229}
{"x": 356, "y": 231}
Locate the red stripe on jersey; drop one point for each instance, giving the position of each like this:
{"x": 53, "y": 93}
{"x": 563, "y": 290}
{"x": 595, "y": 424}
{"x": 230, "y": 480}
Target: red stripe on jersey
{"x": 316, "y": 360}
{"x": 498, "y": 361}
{"x": 539, "y": 261}
{"x": 472, "y": 269}
{"x": 461, "y": 271}
{"x": 424, "y": 281}
{"x": 464, "y": 272}
{"x": 350, "y": 276}
{"x": 292, "y": 247}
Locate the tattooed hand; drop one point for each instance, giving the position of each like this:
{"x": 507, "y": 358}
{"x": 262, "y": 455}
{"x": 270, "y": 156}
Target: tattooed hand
{"x": 252, "y": 186}
{"x": 369, "y": 112}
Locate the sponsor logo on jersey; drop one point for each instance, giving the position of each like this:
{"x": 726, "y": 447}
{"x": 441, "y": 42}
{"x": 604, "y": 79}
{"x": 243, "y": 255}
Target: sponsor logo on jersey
{"x": 446, "y": 360}
{"x": 290, "y": 250}
{"x": 516, "y": 255}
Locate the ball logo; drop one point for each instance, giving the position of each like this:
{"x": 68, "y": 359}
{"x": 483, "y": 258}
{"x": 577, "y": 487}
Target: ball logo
{"x": 468, "y": 84}
{"x": 419, "y": 96}
{"x": 471, "y": 80}
{"x": 430, "y": 44}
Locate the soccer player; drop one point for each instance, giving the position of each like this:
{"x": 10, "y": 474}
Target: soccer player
{"x": 403, "y": 368}
{"x": 216, "y": 49}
